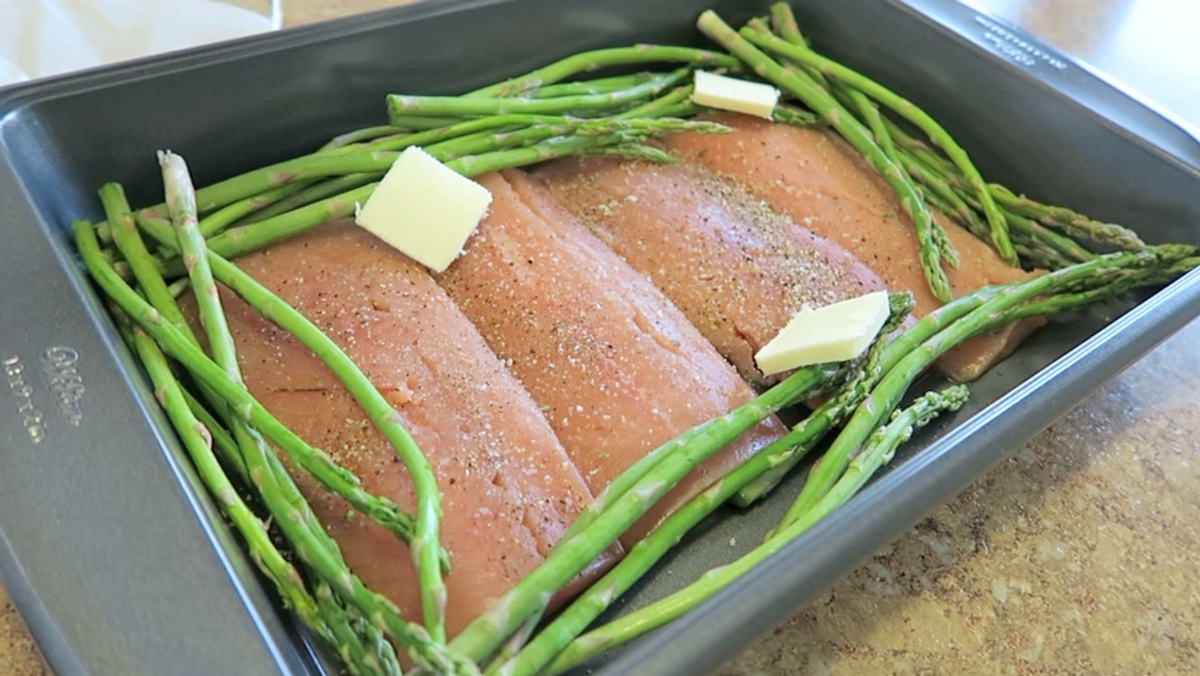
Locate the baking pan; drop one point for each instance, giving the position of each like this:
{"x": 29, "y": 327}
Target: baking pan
{"x": 109, "y": 546}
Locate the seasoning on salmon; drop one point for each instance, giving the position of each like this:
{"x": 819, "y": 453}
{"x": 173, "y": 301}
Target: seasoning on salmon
{"x": 617, "y": 367}
{"x": 509, "y": 490}
{"x": 825, "y": 186}
{"x": 736, "y": 267}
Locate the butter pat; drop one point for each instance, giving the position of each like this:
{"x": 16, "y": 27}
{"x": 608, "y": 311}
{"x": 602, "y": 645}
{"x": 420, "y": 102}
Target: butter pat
{"x": 424, "y": 209}
{"x": 740, "y": 96}
{"x": 836, "y": 332}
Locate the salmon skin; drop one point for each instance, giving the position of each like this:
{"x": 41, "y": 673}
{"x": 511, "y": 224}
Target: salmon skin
{"x": 736, "y": 267}
{"x": 508, "y": 488}
{"x": 618, "y": 369}
{"x": 824, "y": 185}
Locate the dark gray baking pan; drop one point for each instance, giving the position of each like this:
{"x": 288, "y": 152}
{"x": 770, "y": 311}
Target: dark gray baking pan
{"x": 108, "y": 545}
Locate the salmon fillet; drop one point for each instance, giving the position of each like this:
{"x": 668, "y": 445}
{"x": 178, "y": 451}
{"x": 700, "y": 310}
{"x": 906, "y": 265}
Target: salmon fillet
{"x": 823, "y": 184}
{"x": 505, "y": 479}
{"x": 618, "y": 369}
{"x": 737, "y": 268}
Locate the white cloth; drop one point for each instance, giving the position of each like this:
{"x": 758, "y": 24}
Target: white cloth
{"x": 47, "y": 37}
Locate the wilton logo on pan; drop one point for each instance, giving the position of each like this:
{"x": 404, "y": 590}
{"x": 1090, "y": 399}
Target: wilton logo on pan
{"x": 58, "y": 363}
{"x": 60, "y": 368}
{"x": 1016, "y": 48}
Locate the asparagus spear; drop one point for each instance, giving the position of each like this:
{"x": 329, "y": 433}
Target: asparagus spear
{"x": 221, "y": 439}
{"x": 480, "y": 639}
{"x": 601, "y": 58}
{"x": 223, "y": 217}
{"x": 655, "y": 107}
{"x": 789, "y": 449}
{"x": 886, "y": 395}
{"x": 170, "y": 320}
{"x": 1053, "y": 250}
{"x": 555, "y": 636}
{"x": 795, "y": 117}
{"x": 597, "y": 86}
{"x": 877, "y": 452}
{"x": 241, "y": 240}
{"x": 1073, "y": 224}
{"x": 632, "y": 151}
{"x": 313, "y": 193}
{"x": 1070, "y": 222}
{"x": 358, "y": 136}
{"x": 909, "y": 111}
{"x": 360, "y": 644}
{"x": 198, "y": 442}
{"x": 467, "y": 106}
{"x": 321, "y": 556}
{"x": 199, "y": 438}
{"x": 805, "y": 89}
{"x": 428, "y": 557}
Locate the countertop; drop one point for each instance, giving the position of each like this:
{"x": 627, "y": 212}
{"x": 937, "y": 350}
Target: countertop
{"x": 1076, "y": 556}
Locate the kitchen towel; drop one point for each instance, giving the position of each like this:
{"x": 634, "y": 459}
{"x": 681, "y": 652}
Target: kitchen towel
{"x": 39, "y": 38}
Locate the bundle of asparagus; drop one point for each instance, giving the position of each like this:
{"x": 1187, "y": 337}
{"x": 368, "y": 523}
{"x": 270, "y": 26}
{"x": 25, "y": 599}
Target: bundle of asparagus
{"x": 521, "y": 121}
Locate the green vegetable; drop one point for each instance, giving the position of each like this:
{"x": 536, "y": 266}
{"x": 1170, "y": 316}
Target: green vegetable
{"x": 463, "y": 106}
{"x": 910, "y": 112}
{"x": 615, "y": 512}
{"x": 810, "y": 93}
{"x": 877, "y": 452}
{"x": 602, "y": 58}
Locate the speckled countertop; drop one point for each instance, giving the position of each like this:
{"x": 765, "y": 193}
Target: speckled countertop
{"x": 1077, "y": 556}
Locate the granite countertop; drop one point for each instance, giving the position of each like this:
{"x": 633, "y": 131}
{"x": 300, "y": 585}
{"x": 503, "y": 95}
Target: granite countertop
{"x": 1076, "y": 556}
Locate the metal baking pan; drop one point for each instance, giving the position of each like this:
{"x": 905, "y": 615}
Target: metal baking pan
{"x": 110, "y": 548}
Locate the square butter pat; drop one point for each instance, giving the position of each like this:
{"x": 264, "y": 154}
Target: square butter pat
{"x": 424, "y": 209}
{"x": 740, "y": 96}
{"x": 836, "y": 332}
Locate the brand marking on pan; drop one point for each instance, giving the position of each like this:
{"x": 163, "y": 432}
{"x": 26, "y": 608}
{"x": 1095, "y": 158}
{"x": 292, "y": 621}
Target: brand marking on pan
{"x": 60, "y": 365}
{"x": 1015, "y": 47}
{"x": 31, "y": 419}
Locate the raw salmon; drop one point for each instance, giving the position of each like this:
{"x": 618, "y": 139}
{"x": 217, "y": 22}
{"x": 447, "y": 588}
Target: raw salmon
{"x": 824, "y": 185}
{"x": 736, "y": 267}
{"x": 618, "y": 369}
{"x": 509, "y": 490}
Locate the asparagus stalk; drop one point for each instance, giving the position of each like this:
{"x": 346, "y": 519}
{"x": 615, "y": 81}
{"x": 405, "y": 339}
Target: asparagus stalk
{"x": 428, "y": 557}
{"x": 199, "y": 439}
{"x": 358, "y": 136}
{"x": 883, "y": 356}
{"x": 360, "y": 644}
{"x": 909, "y": 111}
{"x": 485, "y": 142}
{"x": 169, "y": 321}
{"x": 805, "y": 89}
{"x": 1044, "y": 248}
{"x": 244, "y": 239}
{"x": 313, "y": 193}
{"x": 467, "y": 106}
{"x": 633, "y": 151}
{"x": 555, "y": 636}
{"x": 1070, "y": 222}
{"x": 654, "y": 108}
{"x": 602, "y": 58}
{"x": 887, "y": 394}
{"x": 585, "y": 87}
{"x": 877, "y": 452}
{"x": 480, "y": 639}
{"x": 196, "y": 439}
{"x": 227, "y": 215}
{"x": 319, "y": 555}
{"x": 222, "y": 441}
{"x": 796, "y": 117}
